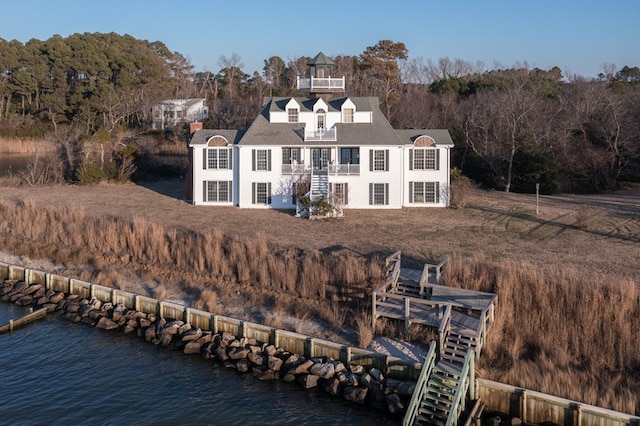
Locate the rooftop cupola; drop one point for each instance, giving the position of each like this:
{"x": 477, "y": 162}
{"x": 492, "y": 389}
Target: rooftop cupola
{"x": 320, "y": 80}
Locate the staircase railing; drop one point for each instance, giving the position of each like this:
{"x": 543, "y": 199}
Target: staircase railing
{"x": 466, "y": 383}
{"x": 445, "y": 325}
{"x": 421, "y": 386}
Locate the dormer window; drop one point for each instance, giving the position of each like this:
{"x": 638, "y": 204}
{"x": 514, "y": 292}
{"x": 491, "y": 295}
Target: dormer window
{"x": 293, "y": 115}
{"x": 347, "y": 115}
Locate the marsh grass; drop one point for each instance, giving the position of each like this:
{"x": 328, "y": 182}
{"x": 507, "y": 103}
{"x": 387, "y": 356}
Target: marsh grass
{"x": 559, "y": 331}
{"x": 25, "y": 146}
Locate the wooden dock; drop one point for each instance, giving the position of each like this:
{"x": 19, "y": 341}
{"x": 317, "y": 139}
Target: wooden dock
{"x": 13, "y": 324}
{"x": 417, "y": 297}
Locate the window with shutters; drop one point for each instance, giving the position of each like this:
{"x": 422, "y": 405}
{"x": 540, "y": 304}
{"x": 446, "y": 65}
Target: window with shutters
{"x": 217, "y": 191}
{"x": 378, "y": 160}
{"x": 261, "y": 159}
{"x": 261, "y": 193}
{"x": 378, "y": 194}
{"x": 424, "y": 192}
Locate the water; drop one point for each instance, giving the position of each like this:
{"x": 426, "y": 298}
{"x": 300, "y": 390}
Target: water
{"x": 13, "y": 162}
{"x": 57, "y": 372}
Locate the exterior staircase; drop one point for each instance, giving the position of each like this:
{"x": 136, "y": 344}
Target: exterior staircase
{"x": 319, "y": 191}
{"x": 319, "y": 185}
{"x": 441, "y": 391}
{"x": 456, "y": 344}
{"x": 442, "y": 384}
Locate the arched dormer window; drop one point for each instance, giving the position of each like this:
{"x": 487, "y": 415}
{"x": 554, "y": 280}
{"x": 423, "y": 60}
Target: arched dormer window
{"x": 424, "y": 155}
{"x": 217, "y": 141}
{"x": 217, "y": 155}
{"x": 423, "y": 140}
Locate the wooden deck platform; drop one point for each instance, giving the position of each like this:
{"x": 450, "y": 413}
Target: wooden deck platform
{"x": 417, "y": 297}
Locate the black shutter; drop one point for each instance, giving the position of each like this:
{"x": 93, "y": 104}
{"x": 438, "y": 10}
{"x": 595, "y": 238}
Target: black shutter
{"x": 386, "y": 160}
{"x": 410, "y": 192}
{"x": 268, "y": 160}
{"x": 230, "y": 191}
{"x": 370, "y": 160}
{"x": 386, "y": 194}
{"x": 204, "y": 158}
{"x": 253, "y": 192}
{"x": 411, "y": 159}
{"x": 346, "y": 193}
{"x": 370, "y": 194}
{"x": 230, "y": 158}
{"x": 437, "y": 159}
{"x": 253, "y": 160}
{"x": 269, "y": 192}
{"x": 204, "y": 191}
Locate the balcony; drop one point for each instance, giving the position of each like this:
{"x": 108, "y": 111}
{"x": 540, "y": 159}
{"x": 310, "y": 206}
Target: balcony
{"x": 321, "y": 135}
{"x": 315, "y": 84}
{"x": 294, "y": 169}
{"x": 344, "y": 169}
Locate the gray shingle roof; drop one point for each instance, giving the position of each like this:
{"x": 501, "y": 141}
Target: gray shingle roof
{"x": 380, "y": 132}
{"x": 441, "y": 136}
{"x": 201, "y": 136}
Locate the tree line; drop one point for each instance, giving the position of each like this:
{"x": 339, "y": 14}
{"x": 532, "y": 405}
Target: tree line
{"x": 513, "y": 127}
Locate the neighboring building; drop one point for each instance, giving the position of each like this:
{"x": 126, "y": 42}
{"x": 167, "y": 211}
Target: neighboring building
{"x": 339, "y": 149}
{"x": 170, "y": 113}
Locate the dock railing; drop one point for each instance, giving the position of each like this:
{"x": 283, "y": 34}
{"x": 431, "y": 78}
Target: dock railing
{"x": 466, "y": 383}
{"x": 421, "y": 387}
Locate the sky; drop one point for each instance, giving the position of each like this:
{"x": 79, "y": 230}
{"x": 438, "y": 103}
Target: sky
{"x": 578, "y": 36}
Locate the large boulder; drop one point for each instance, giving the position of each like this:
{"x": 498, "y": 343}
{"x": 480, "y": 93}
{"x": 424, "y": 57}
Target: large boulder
{"x": 324, "y": 371}
{"x": 394, "y": 404}
{"x": 192, "y": 347}
{"x": 274, "y": 363}
{"x": 238, "y": 353}
{"x": 105, "y": 323}
{"x": 355, "y": 394}
{"x": 331, "y": 385}
{"x": 307, "y": 381}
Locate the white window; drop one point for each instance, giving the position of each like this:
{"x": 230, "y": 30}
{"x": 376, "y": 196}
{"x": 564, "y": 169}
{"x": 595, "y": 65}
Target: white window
{"x": 424, "y": 159}
{"x": 293, "y": 115}
{"x": 347, "y": 115}
{"x": 261, "y": 159}
{"x": 217, "y": 191}
{"x": 378, "y": 194}
{"x": 341, "y": 192}
{"x": 216, "y": 158}
{"x": 261, "y": 193}
{"x": 424, "y": 192}
{"x": 378, "y": 160}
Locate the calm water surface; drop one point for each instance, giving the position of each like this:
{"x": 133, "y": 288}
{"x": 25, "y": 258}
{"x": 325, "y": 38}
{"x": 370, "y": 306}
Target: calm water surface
{"x": 57, "y": 372}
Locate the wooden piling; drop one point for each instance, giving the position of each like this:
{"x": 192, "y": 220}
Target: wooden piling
{"x": 12, "y": 324}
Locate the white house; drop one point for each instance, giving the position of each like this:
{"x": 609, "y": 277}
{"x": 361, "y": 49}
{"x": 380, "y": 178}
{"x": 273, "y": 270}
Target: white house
{"x": 340, "y": 149}
{"x": 172, "y": 112}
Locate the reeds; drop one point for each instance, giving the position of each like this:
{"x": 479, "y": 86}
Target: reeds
{"x": 26, "y": 146}
{"x": 559, "y": 331}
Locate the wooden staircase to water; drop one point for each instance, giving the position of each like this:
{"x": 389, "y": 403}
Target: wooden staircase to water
{"x": 462, "y": 318}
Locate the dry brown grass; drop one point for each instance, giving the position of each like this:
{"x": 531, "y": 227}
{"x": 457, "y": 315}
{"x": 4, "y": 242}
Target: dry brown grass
{"x": 566, "y": 286}
{"x": 25, "y": 146}
{"x": 559, "y": 331}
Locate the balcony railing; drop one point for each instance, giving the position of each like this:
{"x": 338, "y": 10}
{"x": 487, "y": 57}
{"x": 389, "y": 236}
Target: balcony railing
{"x": 294, "y": 169}
{"x": 315, "y": 83}
{"x": 344, "y": 169}
{"x": 321, "y": 135}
